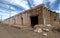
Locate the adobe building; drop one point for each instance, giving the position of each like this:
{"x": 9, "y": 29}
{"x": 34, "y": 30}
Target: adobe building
{"x": 37, "y": 15}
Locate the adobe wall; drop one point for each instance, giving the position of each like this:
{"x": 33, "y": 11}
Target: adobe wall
{"x": 45, "y": 16}
{"x": 33, "y": 12}
{"x": 50, "y": 17}
{"x": 23, "y": 19}
{"x": 54, "y": 18}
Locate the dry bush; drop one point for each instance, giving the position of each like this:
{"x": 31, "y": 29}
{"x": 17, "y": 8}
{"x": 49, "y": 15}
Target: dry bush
{"x": 56, "y": 29}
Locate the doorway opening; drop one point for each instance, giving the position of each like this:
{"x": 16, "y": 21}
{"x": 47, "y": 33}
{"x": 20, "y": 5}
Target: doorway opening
{"x": 34, "y": 20}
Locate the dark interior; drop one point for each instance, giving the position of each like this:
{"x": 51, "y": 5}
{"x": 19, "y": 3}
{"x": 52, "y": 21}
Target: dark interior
{"x": 34, "y": 20}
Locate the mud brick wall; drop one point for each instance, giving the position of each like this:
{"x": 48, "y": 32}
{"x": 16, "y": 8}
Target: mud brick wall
{"x": 54, "y": 18}
{"x": 50, "y": 17}
{"x": 45, "y": 16}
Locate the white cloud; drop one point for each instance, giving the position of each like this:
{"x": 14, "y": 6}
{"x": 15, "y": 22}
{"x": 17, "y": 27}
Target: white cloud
{"x": 3, "y": 5}
{"x": 11, "y": 8}
{"x": 24, "y": 4}
{"x": 6, "y": 7}
{"x": 58, "y": 9}
{"x": 5, "y": 14}
{"x": 19, "y": 2}
{"x": 3, "y": 11}
{"x": 52, "y": 1}
{"x": 37, "y": 2}
{"x": 59, "y": 6}
{"x": 13, "y": 13}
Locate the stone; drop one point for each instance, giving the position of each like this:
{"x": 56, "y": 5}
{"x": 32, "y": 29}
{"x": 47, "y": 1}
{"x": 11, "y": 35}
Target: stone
{"x": 38, "y": 30}
{"x": 44, "y": 34}
{"x": 48, "y": 25}
{"x": 44, "y": 29}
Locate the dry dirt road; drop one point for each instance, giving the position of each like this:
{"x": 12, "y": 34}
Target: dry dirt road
{"x": 11, "y": 32}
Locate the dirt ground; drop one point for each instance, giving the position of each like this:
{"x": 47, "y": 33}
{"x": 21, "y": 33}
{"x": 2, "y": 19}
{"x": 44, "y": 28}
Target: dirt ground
{"x": 11, "y": 32}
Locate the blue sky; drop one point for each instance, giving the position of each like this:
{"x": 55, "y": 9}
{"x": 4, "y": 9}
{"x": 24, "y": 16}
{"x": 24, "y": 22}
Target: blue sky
{"x": 17, "y": 6}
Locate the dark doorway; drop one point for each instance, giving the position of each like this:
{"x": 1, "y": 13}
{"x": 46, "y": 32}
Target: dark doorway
{"x": 34, "y": 20}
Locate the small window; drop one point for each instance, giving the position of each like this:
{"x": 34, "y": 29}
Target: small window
{"x": 22, "y": 19}
{"x": 55, "y": 18}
